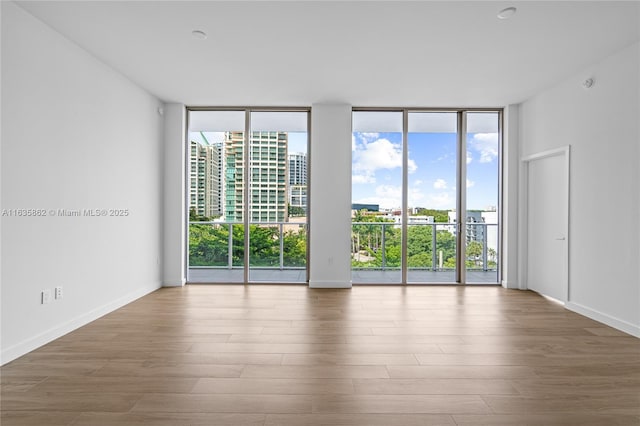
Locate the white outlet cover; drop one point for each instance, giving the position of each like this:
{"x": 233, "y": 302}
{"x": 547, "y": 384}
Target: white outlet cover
{"x": 46, "y": 297}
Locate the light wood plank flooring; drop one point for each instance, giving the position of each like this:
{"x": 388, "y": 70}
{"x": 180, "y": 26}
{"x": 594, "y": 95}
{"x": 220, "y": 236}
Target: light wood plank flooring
{"x": 287, "y": 355}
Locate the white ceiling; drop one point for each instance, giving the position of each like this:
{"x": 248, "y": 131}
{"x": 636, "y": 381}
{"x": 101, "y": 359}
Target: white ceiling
{"x": 381, "y": 53}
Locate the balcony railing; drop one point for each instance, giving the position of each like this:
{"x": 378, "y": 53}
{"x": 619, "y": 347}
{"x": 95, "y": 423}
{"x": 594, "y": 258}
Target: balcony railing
{"x": 272, "y": 245}
{"x": 377, "y": 246}
{"x": 215, "y": 247}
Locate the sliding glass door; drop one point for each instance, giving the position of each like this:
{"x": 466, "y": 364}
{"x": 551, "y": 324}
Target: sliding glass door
{"x": 278, "y": 196}
{"x": 247, "y": 170}
{"x": 432, "y": 197}
{"x": 377, "y": 165}
{"x": 482, "y": 172}
{"x": 216, "y": 251}
{"x": 425, "y": 196}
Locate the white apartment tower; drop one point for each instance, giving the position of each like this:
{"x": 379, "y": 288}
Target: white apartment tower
{"x": 267, "y": 176}
{"x": 204, "y": 179}
{"x": 298, "y": 180}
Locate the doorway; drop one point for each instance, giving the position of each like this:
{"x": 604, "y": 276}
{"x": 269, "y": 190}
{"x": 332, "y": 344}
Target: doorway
{"x": 546, "y": 183}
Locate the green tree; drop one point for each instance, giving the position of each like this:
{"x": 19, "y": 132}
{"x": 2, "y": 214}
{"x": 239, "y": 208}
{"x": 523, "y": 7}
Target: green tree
{"x": 446, "y": 242}
{"x": 264, "y": 245}
{"x": 440, "y": 216}
{"x": 419, "y": 241}
{"x": 366, "y": 237}
{"x": 474, "y": 253}
{"x": 208, "y": 244}
{"x": 295, "y": 248}
{"x": 295, "y": 211}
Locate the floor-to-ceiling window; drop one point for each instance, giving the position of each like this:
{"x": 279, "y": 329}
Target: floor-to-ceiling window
{"x": 377, "y": 165}
{"x": 425, "y": 196}
{"x": 247, "y": 169}
{"x": 433, "y": 193}
{"x": 481, "y": 197}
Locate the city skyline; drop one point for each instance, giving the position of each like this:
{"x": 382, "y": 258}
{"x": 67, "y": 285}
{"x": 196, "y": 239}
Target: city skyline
{"x": 277, "y": 180}
{"x": 377, "y": 166}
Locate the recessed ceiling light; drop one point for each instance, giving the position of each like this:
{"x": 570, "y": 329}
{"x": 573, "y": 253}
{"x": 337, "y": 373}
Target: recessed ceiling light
{"x": 199, "y": 34}
{"x": 507, "y": 13}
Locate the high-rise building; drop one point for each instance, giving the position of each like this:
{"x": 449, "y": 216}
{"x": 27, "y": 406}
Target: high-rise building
{"x": 204, "y": 178}
{"x": 481, "y": 226}
{"x": 267, "y": 179}
{"x": 298, "y": 180}
{"x": 233, "y": 176}
{"x": 297, "y": 168}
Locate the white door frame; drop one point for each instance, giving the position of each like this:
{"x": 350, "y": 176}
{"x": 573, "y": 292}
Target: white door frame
{"x": 523, "y": 256}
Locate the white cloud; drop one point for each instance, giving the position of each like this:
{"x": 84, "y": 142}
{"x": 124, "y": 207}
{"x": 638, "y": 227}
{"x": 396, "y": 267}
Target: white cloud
{"x": 411, "y": 166}
{"x": 486, "y": 144}
{"x": 417, "y": 182}
{"x": 390, "y": 197}
{"x": 441, "y": 200}
{"x": 470, "y": 183}
{"x": 469, "y": 157}
{"x": 376, "y": 155}
{"x": 380, "y": 154}
{"x": 440, "y": 184}
{"x": 387, "y": 196}
{"x": 414, "y": 196}
{"x": 363, "y": 179}
{"x": 369, "y": 136}
{"x": 387, "y": 191}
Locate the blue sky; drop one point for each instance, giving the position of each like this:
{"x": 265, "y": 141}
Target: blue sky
{"x": 377, "y": 170}
{"x": 297, "y": 142}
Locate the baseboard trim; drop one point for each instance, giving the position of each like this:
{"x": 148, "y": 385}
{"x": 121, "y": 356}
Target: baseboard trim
{"x": 30, "y": 344}
{"x": 176, "y": 283}
{"x": 329, "y": 284}
{"x": 510, "y": 285}
{"x": 616, "y": 323}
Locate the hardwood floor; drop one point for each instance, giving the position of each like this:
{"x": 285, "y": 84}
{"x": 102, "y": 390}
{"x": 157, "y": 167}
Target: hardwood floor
{"x": 288, "y": 355}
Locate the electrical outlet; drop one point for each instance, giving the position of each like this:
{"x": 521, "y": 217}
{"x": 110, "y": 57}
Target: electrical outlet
{"x": 46, "y": 297}
{"x": 58, "y": 293}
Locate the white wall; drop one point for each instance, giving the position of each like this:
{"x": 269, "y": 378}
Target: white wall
{"x": 330, "y": 195}
{"x": 510, "y": 182}
{"x": 601, "y": 125}
{"x": 174, "y": 211}
{"x": 75, "y": 135}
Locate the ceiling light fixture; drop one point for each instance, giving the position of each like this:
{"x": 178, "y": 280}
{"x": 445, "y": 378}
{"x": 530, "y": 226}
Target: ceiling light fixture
{"x": 201, "y": 35}
{"x": 507, "y": 13}
{"x": 588, "y": 83}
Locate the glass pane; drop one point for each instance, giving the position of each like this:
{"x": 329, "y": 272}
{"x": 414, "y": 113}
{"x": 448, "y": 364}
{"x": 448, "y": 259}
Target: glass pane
{"x": 432, "y": 178}
{"x": 278, "y": 197}
{"x": 216, "y": 232}
{"x": 376, "y": 197}
{"x": 482, "y": 197}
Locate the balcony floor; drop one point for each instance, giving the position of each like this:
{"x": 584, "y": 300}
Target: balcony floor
{"x": 211, "y": 275}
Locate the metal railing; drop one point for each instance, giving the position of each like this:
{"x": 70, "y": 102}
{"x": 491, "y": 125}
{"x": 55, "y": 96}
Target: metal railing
{"x": 376, "y": 254}
{"x": 375, "y": 245}
{"x": 220, "y": 245}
